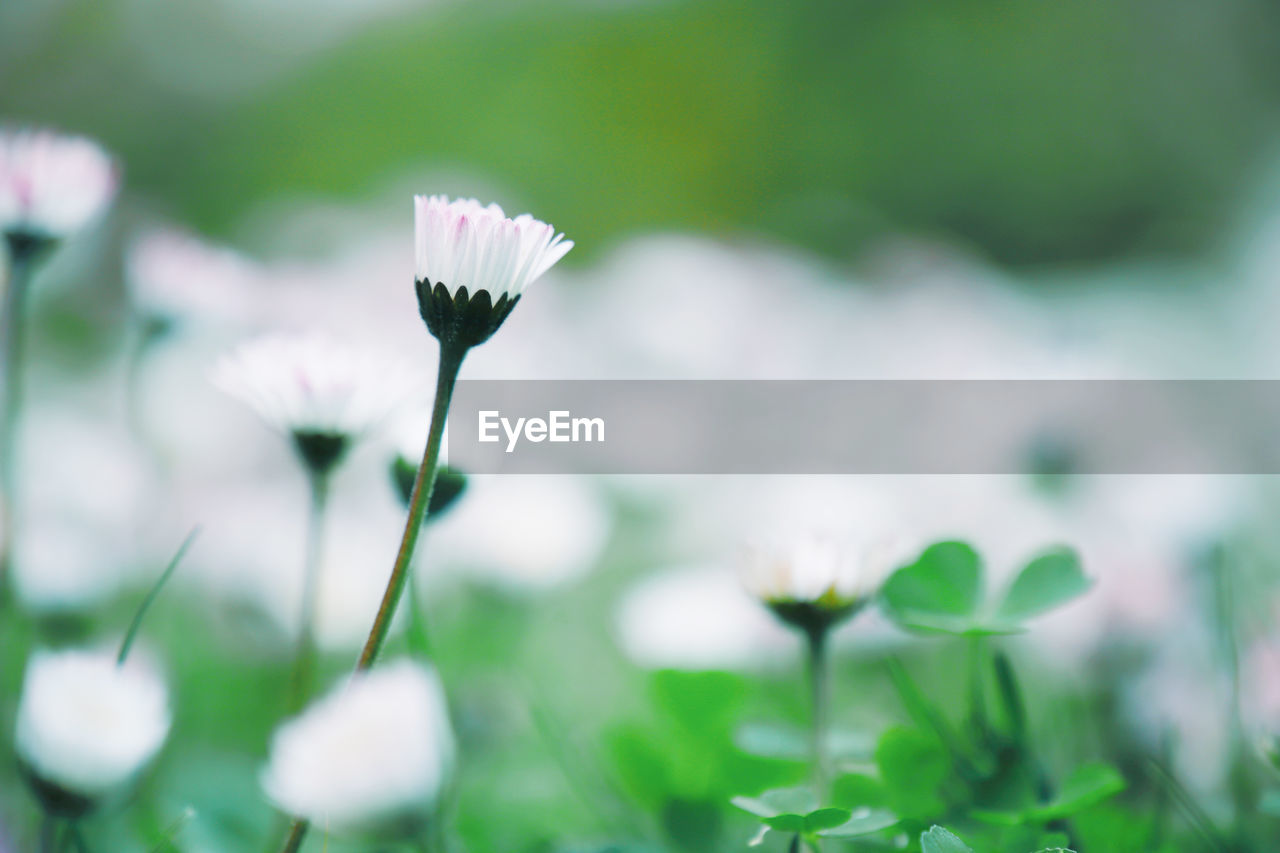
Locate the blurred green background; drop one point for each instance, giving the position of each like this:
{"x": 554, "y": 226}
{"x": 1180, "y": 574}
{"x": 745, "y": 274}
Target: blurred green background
{"x": 1042, "y": 133}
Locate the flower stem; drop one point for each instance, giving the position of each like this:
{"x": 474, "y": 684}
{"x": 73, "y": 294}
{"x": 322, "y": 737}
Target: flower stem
{"x": 13, "y": 327}
{"x": 304, "y": 660}
{"x": 297, "y": 832}
{"x": 977, "y": 690}
{"x": 819, "y": 678}
{"x": 419, "y": 639}
{"x": 450, "y": 363}
{"x": 150, "y": 331}
{"x": 74, "y": 839}
{"x": 48, "y": 834}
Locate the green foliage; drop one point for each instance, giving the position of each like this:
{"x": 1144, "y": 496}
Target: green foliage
{"x": 1048, "y": 581}
{"x": 985, "y": 768}
{"x": 913, "y": 766}
{"x": 856, "y": 790}
{"x": 939, "y": 840}
{"x": 819, "y": 123}
{"x": 1087, "y": 785}
{"x": 684, "y": 763}
{"x": 796, "y": 811}
{"x": 942, "y": 591}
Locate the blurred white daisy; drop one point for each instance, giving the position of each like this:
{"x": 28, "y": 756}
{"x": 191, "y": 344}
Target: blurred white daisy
{"x": 1182, "y": 702}
{"x": 524, "y": 533}
{"x": 322, "y": 393}
{"x": 815, "y": 580}
{"x": 87, "y": 726}
{"x": 77, "y": 542}
{"x": 52, "y": 185}
{"x": 172, "y": 274}
{"x": 374, "y": 752}
{"x": 66, "y": 564}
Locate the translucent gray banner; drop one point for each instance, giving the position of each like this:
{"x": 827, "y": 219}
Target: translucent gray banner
{"x": 866, "y": 427}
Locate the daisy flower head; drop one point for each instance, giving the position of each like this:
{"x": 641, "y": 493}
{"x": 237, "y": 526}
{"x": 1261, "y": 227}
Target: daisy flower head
{"x": 473, "y": 262}
{"x": 87, "y": 726}
{"x": 173, "y": 275}
{"x": 814, "y": 581}
{"x": 372, "y": 756}
{"x": 51, "y": 185}
{"x": 321, "y": 393}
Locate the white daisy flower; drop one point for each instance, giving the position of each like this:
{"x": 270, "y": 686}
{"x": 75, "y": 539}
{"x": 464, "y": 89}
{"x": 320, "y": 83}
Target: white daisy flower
{"x": 463, "y": 243}
{"x": 322, "y": 393}
{"x": 87, "y": 726}
{"x": 172, "y": 275}
{"x": 473, "y": 263}
{"x": 817, "y": 577}
{"x": 52, "y": 185}
{"x": 374, "y": 752}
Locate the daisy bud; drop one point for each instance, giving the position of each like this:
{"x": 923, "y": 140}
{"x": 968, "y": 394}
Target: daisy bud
{"x": 473, "y": 263}
{"x": 815, "y": 582}
{"x": 322, "y": 394}
{"x": 450, "y": 482}
{"x": 87, "y": 726}
{"x": 50, "y": 186}
{"x": 371, "y": 757}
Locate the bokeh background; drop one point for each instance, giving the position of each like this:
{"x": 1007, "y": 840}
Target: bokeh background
{"x": 906, "y": 189}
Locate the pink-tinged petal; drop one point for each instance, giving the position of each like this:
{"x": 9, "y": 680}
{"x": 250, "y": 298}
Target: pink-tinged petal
{"x": 466, "y": 244}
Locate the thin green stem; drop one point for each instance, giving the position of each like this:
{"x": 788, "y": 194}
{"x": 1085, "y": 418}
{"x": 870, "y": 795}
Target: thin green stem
{"x": 1196, "y": 816}
{"x": 819, "y": 678}
{"x": 48, "y": 834}
{"x": 172, "y": 830}
{"x": 591, "y": 792}
{"x": 149, "y": 331}
{"x": 132, "y": 634}
{"x": 304, "y": 660}
{"x": 977, "y": 690}
{"x": 450, "y": 364}
{"x": 419, "y": 638}
{"x": 921, "y": 711}
{"x": 14, "y": 326}
{"x": 73, "y": 839}
{"x": 297, "y": 832}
